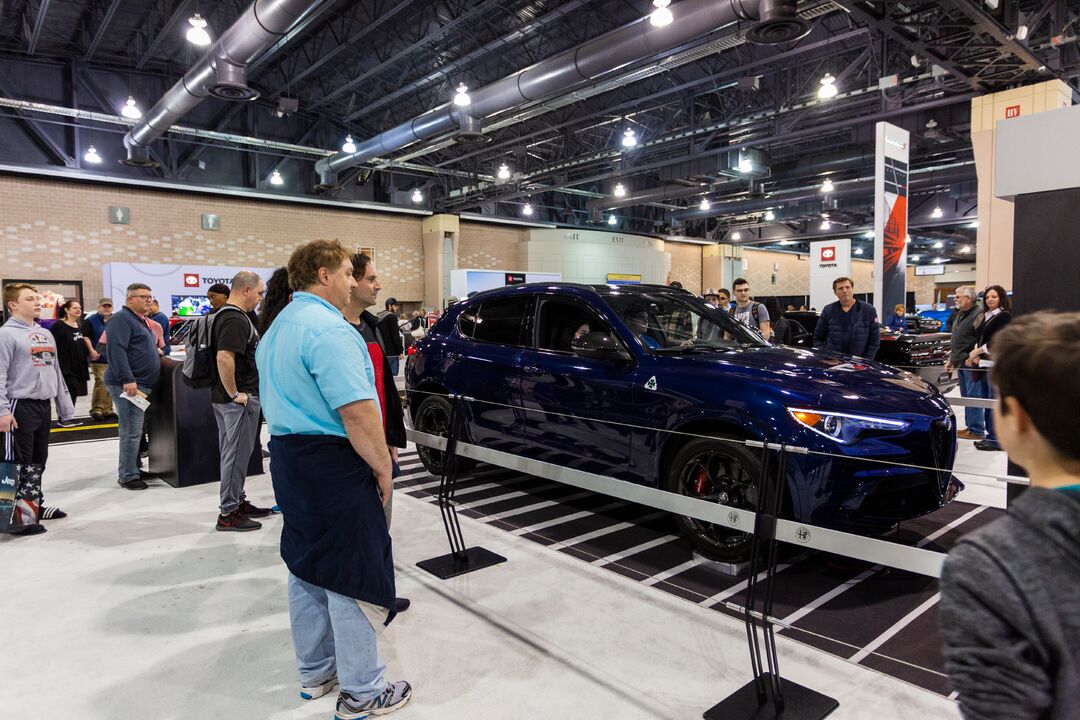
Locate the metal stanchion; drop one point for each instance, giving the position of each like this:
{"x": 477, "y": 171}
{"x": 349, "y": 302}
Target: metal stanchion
{"x": 460, "y": 560}
{"x": 768, "y": 695}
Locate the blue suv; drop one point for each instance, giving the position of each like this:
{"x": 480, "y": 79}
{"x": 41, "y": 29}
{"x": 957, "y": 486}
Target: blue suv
{"x": 619, "y": 381}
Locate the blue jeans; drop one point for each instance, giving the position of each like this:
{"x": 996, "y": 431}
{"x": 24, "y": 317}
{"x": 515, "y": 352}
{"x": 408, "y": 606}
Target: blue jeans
{"x": 973, "y": 384}
{"x": 332, "y": 635}
{"x": 131, "y": 429}
{"x": 394, "y": 364}
{"x": 991, "y": 436}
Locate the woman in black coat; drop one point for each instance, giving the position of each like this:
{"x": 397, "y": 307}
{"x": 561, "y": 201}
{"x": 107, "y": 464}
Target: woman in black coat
{"x": 998, "y": 314}
{"x": 72, "y": 348}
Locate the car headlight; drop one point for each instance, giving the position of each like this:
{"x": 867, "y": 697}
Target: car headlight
{"x": 844, "y": 428}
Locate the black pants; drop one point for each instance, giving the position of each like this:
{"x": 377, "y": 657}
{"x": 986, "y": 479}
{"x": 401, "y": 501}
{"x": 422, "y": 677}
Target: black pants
{"x": 34, "y": 418}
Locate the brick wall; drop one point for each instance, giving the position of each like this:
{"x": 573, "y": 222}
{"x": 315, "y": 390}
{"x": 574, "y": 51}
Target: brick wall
{"x": 483, "y": 246}
{"x": 53, "y": 230}
{"x": 686, "y": 265}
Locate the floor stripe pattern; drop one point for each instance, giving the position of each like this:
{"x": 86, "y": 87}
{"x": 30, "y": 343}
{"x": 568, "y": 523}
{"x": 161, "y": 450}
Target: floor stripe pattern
{"x": 878, "y": 617}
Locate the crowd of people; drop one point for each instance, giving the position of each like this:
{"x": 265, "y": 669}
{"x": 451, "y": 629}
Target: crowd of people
{"x": 319, "y": 364}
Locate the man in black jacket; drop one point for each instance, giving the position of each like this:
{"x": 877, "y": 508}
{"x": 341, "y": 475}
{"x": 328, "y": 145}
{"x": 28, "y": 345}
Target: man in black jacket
{"x": 363, "y": 296}
{"x": 1009, "y": 590}
{"x": 848, "y": 326}
{"x": 391, "y": 334}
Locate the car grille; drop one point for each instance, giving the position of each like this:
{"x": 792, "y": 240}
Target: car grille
{"x": 942, "y": 445}
{"x": 930, "y": 353}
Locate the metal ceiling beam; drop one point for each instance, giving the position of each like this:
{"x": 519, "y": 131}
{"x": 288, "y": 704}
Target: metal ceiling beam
{"x": 39, "y": 136}
{"x": 99, "y": 35}
{"x": 162, "y": 32}
{"x": 882, "y": 24}
{"x": 39, "y": 23}
{"x": 991, "y": 27}
{"x": 476, "y": 12}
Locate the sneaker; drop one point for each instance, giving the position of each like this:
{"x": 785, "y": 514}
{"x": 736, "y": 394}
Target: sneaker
{"x": 52, "y": 513}
{"x": 133, "y": 484}
{"x": 276, "y": 509}
{"x": 32, "y": 530}
{"x": 237, "y": 522}
{"x": 68, "y": 423}
{"x": 310, "y": 692}
{"x": 393, "y": 697}
{"x": 246, "y": 508}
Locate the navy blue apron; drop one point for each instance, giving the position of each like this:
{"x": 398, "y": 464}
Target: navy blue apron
{"x": 334, "y": 533}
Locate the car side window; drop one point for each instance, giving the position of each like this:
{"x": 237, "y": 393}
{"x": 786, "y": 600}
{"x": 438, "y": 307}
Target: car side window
{"x": 562, "y": 320}
{"x": 502, "y": 321}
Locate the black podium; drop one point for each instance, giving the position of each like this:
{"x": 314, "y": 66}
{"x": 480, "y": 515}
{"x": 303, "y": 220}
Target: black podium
{"x": 183, "y": 433}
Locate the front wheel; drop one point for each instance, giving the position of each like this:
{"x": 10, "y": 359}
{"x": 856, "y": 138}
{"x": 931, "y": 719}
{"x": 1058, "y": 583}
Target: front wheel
{"x": 722, "y": 471}
{"x": 433, "y": 418}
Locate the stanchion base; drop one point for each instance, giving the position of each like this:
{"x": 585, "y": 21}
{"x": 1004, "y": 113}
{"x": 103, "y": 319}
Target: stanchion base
{"x": 800, "y": 703}
{"x": 451, "y": 565}
{"x": 735, "y": 570}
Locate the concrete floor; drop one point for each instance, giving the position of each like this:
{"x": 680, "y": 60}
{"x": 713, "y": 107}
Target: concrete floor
{"x": 134, "y": 607}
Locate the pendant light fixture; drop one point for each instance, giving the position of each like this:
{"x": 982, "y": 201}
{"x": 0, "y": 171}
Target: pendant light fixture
{"x": 197, "y": 34}
{"x": 349, "y": 146}
{"x": 130, "y": 110}
{"x": 661, "y": 16}
{"x": 91, "y": 156}
{"x": 828, "y": 87}
{"x": 276, "y": 179}
{"x": 461, "y": 98}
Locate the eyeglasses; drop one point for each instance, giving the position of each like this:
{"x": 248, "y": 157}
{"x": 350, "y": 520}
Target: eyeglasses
{"x": 142, "y": 297}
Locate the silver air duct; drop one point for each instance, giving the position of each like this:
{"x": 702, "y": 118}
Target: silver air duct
{"x": 222, "y": 71}
{"x": 780, "y": 23}
{"x": 586, "y": 62}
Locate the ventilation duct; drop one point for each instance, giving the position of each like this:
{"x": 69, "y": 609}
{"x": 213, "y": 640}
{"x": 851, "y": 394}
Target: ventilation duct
{"x": 574, "y": 67}
{"x": 221, "y": 72}
{"x": 780, "y": 23}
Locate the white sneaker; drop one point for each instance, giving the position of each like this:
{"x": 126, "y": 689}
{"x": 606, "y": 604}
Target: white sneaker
{"x": 393, "y": 697}
{"x": 310, "y": 692}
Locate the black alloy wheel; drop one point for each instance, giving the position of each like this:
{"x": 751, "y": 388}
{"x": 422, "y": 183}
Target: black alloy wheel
{"x": 433, "y": 418}
{"x": 722, "y": 471}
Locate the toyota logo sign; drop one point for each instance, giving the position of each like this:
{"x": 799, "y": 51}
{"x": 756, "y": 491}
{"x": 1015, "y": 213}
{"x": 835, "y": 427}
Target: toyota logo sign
{"x": 191, "y": 280}
{"x": 828, "y": 253}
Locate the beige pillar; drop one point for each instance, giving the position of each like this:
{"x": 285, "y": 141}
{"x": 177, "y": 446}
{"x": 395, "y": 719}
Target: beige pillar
{"x": 994, "y": 238}
{"x": 434, "y": 230}
{"x": 716, "y": 263}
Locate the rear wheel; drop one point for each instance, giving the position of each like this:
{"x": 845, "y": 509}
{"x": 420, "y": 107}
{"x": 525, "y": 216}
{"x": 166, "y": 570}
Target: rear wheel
{"x": 721, "y": 471}
{"x": 433, "y": 418}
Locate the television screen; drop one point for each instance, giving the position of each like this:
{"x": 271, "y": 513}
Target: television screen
{"x": 190, "y": 305}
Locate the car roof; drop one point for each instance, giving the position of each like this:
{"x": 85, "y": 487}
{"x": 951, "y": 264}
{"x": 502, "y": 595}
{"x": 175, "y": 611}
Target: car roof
{"x": 577, "y": 289}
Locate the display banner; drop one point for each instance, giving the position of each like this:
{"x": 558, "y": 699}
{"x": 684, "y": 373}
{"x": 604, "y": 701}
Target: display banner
{"x": 829, "y": 259}
{"x": 890, "y": 217}
{"x": 180, "y": 288}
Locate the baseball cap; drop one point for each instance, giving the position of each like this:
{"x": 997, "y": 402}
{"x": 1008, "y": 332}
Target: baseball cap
{"x": 711, "y": 291}
{"x": 105, "y": 301}
{"x": 391, "y": 301}
{"x": 219, "y": 288}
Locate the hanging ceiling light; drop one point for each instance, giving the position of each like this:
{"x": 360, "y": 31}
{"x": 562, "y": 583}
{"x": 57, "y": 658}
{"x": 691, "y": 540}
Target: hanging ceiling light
{"x": 276, "y": 179}
{"x": 736, "y": 235}
{"x": 91, "y": 156}
{"x": 628, "y": 138}
{"x": 826, "y": 225}
{"x": 504, "y": 172}
{"x": 661, "y": 16}
{"x": 938, "y": 245}
{"x": 858, "y": 251}
{"x": 130, "y": 110}
{"x": 746, "y": 165}
{"x": 196, "y": 34}
{"x": 937, "y": 214}
{"x": 527, "y": 210}
{"x": 462, "y": 99}
{"x": 940, "y": 261}
{"x": 705, "y": 204}
{"x": 620, "y": 190}
{"x": 417, "y": 196}
{"x": 611, "y": 220}
{"x": 827, "y": 186}
{"x": 869, "y": 234}
{"x": 914, "y": 258}
{"x": 974, "y": 225}
{"x": 349, "y": 146}
{"x": 907, "y": 239}
{"x": 769, "y": 216}
{"x": 828, "y": 87}
{"x": 966, "y": 249}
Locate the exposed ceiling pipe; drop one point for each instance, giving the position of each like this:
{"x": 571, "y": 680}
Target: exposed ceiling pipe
{"x": 579, "y": 65}
{"x": 221, "y": 72}
{"x": 858, "y": 188}
{"x": 644, "y": 197}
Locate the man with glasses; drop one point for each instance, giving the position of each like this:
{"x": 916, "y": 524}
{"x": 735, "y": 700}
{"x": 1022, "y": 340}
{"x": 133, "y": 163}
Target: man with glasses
{"x": 134, "y": 366}
{"x": 235, "y": 397}
{"x": 749, "y": 312}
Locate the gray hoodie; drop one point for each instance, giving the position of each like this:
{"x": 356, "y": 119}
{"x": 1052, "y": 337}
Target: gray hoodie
{"x": 29, "y": 369}
{"x": 1010, "y": 615}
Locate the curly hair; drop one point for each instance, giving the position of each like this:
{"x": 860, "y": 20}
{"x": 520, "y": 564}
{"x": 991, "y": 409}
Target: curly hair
{"x": 308, "y": 258}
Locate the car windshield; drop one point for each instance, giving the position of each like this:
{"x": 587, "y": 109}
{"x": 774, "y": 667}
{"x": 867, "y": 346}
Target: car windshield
{"x": 676, "y": 322}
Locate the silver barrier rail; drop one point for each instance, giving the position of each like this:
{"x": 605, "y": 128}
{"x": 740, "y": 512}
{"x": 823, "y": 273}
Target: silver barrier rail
{"x": 985, "y": 403}
{"x": 879, "y": 552}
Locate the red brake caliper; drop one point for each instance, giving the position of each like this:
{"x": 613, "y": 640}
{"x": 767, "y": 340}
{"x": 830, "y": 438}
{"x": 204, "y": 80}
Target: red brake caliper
{"x": 701, "y": 482}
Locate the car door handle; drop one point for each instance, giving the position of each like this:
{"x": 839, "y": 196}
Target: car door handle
{"x": 532, "y": 370}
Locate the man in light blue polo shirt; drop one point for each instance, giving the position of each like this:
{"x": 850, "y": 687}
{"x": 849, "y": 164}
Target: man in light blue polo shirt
{"x": 332, "y": 474}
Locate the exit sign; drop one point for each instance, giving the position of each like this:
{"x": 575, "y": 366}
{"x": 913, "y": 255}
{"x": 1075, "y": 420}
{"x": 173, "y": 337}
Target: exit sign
{"x": 1012, "y": 111}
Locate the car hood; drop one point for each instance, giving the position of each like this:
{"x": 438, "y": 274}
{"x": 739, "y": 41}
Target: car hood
{"x": 825, "y": 379}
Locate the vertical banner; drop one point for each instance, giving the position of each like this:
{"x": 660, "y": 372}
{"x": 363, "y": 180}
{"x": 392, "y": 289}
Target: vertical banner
{"x": 890, "y": 218}
{"x": 829, "y": 259}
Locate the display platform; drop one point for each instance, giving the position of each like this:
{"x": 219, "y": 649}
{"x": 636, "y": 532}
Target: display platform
{"x": 880, "y": 618}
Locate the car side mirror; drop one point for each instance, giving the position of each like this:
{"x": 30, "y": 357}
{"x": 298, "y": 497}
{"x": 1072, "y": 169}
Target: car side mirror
{"x": 599, "y": 346}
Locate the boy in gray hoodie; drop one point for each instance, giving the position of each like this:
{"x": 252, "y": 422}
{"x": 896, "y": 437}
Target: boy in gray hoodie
{"x": 30, "y": 380}
{"x": 1009, "y": 591}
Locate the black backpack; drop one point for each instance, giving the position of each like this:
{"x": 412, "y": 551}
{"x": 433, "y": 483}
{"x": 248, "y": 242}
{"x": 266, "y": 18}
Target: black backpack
{"x": 200, "y": 360}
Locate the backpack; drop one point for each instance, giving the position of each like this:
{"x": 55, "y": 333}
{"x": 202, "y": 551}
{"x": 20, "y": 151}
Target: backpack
{"x": 200, "y": 361}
